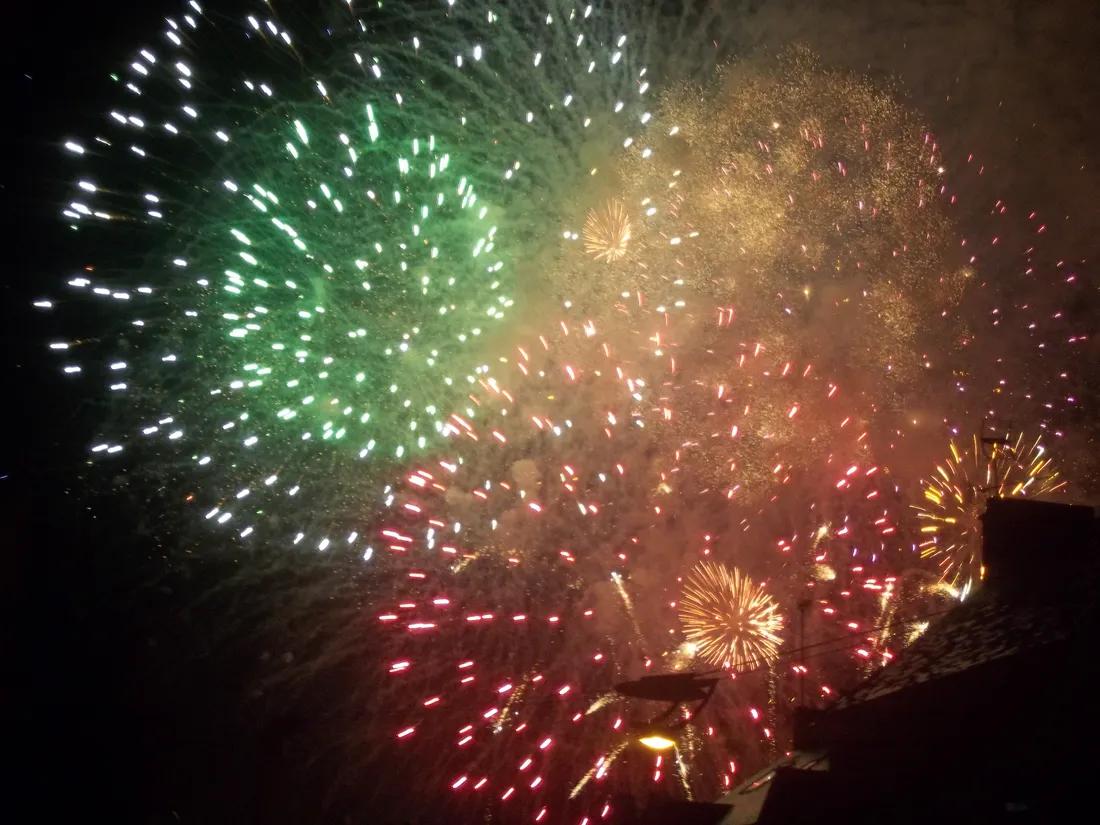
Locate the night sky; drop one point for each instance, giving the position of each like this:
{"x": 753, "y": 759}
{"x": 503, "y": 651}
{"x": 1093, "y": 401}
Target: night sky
{"x": 123, "y": 706}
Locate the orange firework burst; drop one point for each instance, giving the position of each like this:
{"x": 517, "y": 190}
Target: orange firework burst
{"x": 731, "y": 620}
{"x": 607, "y": 232}
{"x": 955, "y": 499}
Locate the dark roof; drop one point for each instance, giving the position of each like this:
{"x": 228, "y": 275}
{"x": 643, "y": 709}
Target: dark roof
{"x": 989, "y": 625}
{"x": 676, "y": 812}
{"x": 804, "y": 796}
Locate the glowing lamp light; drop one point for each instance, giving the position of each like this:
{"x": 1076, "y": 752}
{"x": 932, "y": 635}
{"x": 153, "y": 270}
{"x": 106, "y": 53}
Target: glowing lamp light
{"x": 657, "y": 742}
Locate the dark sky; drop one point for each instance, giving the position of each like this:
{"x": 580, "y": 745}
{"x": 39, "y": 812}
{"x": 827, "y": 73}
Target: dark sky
{"x": 102, "y": 730}
{"x": 71, "y": 647}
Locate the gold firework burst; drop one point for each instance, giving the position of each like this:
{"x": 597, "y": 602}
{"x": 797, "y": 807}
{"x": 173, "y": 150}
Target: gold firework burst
{"x": 607, "y": 231}
{"x": 794, "y": 191}
{"x": 955, "y": 498}
{"x": 731, "y": 620}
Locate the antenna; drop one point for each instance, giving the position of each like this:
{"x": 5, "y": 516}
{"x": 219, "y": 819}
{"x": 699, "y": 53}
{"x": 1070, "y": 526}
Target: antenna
{"x": 803, "y": 608}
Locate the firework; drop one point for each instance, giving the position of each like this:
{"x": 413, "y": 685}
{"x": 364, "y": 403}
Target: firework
{"x": 722, "y": 414}
{"x": 607, "y": 232}
{"x": 955, "y": 499}
{"x": 910, "y": 603}
{"x": 731, "y": 620}
{"x": 540, "y": 560}
{"x": 322, "y": 277}
{"x": 552, "y": 503}
{"x": 304, "y": 232}
{"x": 808, "y": 201}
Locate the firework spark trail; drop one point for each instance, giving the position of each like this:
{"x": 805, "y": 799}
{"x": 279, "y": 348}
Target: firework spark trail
{"x": 830, "y": 188}
{"x": 843, "y": 247}
{"x": 725, "y": 414}
{"x": 376, "y": 202}
{"x": 1021, "y": 326}
{"x": 543, "y": 550}
{"x": 909, "y": 602}
{"x": 542, "y": 555}
{"x": 806, "y": 199}
{"x": 312, "y": 227}
{"x": 955, "y": 499}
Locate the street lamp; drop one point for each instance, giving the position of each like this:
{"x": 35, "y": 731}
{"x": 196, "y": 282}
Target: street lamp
{"x": 676, "y": 689}
{"x": 657, "y": 741}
